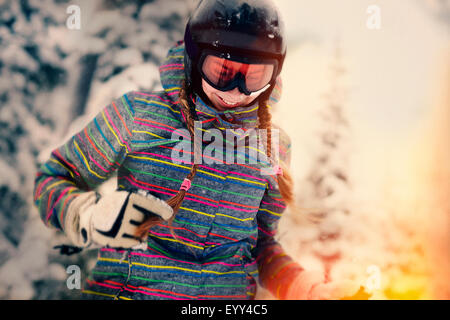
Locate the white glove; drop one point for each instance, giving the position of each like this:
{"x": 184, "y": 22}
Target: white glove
{"x": 113, "y": 220}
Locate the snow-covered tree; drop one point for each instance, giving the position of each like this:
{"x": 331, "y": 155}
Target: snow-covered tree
{"x": 327, "y": 187}
{"x": 52, "y": 81}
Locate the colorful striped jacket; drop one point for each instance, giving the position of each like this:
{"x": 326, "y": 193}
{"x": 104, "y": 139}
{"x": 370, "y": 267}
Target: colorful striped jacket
{"x": 228, "y": 218}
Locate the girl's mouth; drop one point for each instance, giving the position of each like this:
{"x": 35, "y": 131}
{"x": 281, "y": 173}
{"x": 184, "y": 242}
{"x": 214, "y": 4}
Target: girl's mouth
{"x": 228, "y": 104}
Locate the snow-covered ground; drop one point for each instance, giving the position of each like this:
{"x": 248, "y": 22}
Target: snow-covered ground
{"x": 386, "y": 225}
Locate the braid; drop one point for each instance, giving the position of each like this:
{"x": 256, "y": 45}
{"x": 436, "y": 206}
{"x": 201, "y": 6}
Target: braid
{"x": 176, "y": 201}
{"x": 265, "y": 122}
{"x": 285, "y": 182}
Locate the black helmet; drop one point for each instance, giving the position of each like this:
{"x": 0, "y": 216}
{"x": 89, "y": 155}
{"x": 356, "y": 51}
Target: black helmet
{"x": 242, "y": 30}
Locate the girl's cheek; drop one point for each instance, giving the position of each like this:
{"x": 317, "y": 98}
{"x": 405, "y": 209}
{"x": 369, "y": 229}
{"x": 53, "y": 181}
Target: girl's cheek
{"x": 207, "y": 90}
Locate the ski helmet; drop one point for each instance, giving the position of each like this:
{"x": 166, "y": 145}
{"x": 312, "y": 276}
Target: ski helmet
{"x": 248, "y": 31}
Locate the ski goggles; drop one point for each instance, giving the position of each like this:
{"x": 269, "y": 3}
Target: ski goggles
{"x": 225, "y": 74}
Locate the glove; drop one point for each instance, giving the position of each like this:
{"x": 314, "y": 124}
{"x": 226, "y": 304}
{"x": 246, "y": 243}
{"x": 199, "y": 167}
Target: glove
{"x": 310, "y": 285}
{"x": 112, "y": 220}
{"x": 334, "y": 290}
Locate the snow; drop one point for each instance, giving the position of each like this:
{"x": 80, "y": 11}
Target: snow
{"x": 128, "y": 57}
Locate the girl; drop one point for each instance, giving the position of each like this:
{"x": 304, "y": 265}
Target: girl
{"x": 177, "y": 228}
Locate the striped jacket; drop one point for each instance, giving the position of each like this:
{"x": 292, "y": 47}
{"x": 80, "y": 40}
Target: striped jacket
{"x": 229, "y": 215}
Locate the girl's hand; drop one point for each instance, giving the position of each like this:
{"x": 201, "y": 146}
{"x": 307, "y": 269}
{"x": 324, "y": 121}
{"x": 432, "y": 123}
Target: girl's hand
{"x": 112, "y": 220}
{"x": 310, "y": 285}
{"x": 334, "y": 290}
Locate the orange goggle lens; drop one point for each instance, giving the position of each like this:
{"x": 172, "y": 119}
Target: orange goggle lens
{"x": 222, "y": 73}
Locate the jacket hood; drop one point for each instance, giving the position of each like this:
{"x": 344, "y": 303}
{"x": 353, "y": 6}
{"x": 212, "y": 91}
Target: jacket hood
{"x": 172, "y": 74}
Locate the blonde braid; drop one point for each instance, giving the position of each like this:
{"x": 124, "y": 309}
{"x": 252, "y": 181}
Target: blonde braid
{"x": 176, "y": 201}
{"x": 285, "y": 182}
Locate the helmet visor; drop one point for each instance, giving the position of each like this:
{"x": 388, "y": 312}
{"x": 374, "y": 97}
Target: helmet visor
{"x": 225, "y": 74}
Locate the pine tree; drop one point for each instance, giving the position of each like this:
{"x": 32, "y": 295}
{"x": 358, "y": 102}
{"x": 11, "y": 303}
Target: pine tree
{"x": 328, "y": 184}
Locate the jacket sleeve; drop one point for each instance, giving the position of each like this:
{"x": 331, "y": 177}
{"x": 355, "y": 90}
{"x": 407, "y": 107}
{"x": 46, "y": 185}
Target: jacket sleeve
{"x": 276, "y": 268}
{"x": 85, "y": 161}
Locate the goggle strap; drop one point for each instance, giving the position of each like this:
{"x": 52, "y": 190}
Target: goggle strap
{"x": 260, "y": 91}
